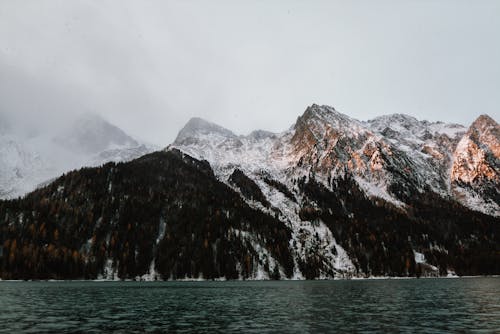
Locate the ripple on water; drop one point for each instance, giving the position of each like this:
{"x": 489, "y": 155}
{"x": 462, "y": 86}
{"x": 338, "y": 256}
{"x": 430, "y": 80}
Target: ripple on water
{"x": 427, "y": 305}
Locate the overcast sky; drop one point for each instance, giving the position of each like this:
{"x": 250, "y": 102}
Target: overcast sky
{"x": 148, "y": 66}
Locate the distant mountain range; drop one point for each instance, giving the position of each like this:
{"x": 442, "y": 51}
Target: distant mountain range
{"x": 330, "y": 197}
{"x": 30, "y": 160}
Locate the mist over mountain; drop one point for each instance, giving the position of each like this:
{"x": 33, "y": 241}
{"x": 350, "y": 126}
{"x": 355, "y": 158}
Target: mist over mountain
{"x": 90, "y": 134}
{"x": 35, "y": 153}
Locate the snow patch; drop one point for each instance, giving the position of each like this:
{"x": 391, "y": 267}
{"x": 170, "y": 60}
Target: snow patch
{"x": 109, "y": 272}
{"x": 374, "y": 190}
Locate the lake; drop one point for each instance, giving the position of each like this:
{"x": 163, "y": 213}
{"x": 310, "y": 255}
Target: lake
{"x": 412, "y": 305}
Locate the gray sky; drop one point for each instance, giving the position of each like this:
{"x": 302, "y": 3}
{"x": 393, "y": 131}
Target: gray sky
{"x": 148, "y": 66}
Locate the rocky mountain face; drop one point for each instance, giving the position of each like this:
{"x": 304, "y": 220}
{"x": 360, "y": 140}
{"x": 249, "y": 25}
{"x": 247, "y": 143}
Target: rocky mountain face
{"x": 330, "y": 197}
{"x": 391, "y": 157}
{"x": 393, "y": 160}
{"x": 429, "y": 146}
{"x": 29, "y": 160}
{"x": 475, "y": 174}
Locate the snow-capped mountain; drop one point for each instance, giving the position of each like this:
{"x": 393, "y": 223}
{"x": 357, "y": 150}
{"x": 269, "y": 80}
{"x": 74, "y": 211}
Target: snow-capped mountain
{"x": 475, "y": 174}
{"x": 90, "y": 134}
{"x": 329, "y": 197}
{"x": 33, "y": 158}
{"x": 20, "y": 167}
{"x": 393, "y": 159}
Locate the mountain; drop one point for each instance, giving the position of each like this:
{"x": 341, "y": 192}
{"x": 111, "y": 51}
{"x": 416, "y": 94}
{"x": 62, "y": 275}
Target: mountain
{"x": 90, "y": 134}
{"x": 475, "y": 173}
{"x": 390, "y": 157}
{"x": 330, "y": 197}
{"x": 198, "y": 129}
{"x": 393, "y": 160}
{"x": 167, "y": 216}
{"x": 20, "y": 167}
{"x": 32, "y": 158}
{"x": 164, "y": 215}
{"x": 430, "y": 146}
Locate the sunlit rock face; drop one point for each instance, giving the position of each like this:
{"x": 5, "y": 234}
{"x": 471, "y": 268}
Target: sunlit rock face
{"x": 475, "y": 174}
{"x": 330, "y": 144}
{"x": 393, "y": 160}
{"x": 478, "y": 152}
{"x": 329, "y": 197}
{"x": 391, "y": 157}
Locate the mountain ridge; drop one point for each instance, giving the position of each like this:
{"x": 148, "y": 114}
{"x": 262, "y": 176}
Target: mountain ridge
{"x": 330, "y": 197}
{"x": 167, "y": 216}
{"x": 379, "y": 151}
{"x": 30, "y": 160}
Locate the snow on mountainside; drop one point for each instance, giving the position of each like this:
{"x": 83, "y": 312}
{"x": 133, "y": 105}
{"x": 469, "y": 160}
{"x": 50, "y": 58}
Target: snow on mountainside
{"x": 391, "y": 157}
{"x": 436, "y": 140}
{"x": 258, "y": 155}
{"x": 224, "y": 150}
{"x": 330, "y": 197}
{"x": 90, "y": 134}
{"x": 18, "y": 162}
{"x": 330, "y": 144}
{"x": 475, "y": 174}
{"x": 27, "y": 161}
{"x": 429, "y": 145}
{"x": 196, "y": 128}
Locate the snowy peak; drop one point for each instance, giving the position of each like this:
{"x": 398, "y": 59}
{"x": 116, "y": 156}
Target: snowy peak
{"x": 321, "y": 128}
{"x": 391, "y": 157}
{"x": 403, "y": 120}
{"x": 485, "y": 123}
{"x": 475, "y": 174}
{"x": 393, "y": 125}
{"x": 224, "y": 149}
{"x": 405, "y": 127}
{"x": 428, "y": 145}
{"x": 317, "y": 111}
{"x": 329, "y": 145}
{"x": 477, "y": 155}
{"x": 17, "y": 162}
{"x": 91, "y": 134}
{"x": 319, "y": 118}
{"x": 198, "y": 128}
{"x": 486, "y": 133}
{"x": 27, "y": 160}
{"x": 258, "y": 135}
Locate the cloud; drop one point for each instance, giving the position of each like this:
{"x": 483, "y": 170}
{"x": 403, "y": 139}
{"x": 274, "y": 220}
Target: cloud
{"x": 149, "y": 66}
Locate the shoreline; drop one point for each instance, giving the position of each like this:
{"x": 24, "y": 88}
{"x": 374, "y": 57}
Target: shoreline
{"x": 381, "y": 278}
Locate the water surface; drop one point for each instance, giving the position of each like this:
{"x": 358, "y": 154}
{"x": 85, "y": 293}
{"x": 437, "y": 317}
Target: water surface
{"x": 424, "y": 305}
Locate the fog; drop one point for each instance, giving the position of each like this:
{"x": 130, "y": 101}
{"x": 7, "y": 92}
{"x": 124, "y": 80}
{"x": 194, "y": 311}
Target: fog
{"x": 148, "y": 66}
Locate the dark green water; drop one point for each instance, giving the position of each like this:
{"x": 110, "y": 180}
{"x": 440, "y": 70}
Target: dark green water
{"x": 425, "y": 305}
